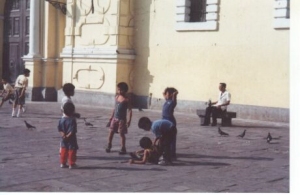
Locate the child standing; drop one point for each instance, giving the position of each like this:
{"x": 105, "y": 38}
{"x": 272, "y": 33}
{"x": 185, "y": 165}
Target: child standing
{"x": 69, "y": 90}
{"x": 20, "y": 88}
{"x": 118, "y": 119}
{"x": 67, "y": 127}
{"x": 8, "y": 89}
{"x": 150, "y": 153}
{"x": 170, "y": 94}
{"x": 164, "y": 132}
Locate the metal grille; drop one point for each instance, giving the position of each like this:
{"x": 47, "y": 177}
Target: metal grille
{"x": 198, "y": 11}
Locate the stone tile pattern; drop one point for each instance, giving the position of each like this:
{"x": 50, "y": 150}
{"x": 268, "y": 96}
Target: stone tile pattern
{"x": 207, "y": 162}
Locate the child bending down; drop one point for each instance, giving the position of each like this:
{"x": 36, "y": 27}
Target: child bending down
{"x": 150, "y": 153}
{"x": 67, "y": 127}
{"x": 8, "y": 89}
{"x": 164, "y": 132}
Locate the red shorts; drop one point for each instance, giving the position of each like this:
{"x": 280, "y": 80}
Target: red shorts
{"x": 118, "y": 126}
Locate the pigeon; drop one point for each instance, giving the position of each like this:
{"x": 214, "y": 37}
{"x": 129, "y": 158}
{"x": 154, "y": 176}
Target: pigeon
{"x": 222, "y": 133}
{"x": 87, "y": 123}
{"x": 29, "y": 126}
{"x": 269, "y": 138}
{"x": 243, "y": 134}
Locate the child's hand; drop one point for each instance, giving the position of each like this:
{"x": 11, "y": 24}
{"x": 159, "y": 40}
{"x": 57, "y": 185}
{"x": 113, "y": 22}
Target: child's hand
{"x": 128, "y": 123}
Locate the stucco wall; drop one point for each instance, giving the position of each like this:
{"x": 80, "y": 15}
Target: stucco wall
{"x": 246, "y": 52}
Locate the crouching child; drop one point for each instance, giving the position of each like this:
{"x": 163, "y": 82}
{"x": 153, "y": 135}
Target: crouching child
{"x": 164, "y": 132}
{"x": 150, "y": 153}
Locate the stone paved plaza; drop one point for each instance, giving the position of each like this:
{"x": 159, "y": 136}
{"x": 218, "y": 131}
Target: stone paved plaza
{"x": 207, "y": 162}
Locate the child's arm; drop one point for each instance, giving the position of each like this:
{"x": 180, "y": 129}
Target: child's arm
{"x": 129, "y": 112}
{"x": 155, "y": 141}
{"x": 130, "y": 116}
{"x": 112, "y": 115}
{"x": 62, "y": 134}
{"x": 146, "y": 156}
{"x": 174, "y": 97}
{"x": 140, "y": 151}
{"x": 72, "y": 128}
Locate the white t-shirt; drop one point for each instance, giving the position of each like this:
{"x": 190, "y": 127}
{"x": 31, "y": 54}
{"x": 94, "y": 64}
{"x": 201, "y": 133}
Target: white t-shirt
{"x": 64, "y": 100}
{"x": 223, "y": 98}
{"x": 21, "y": 82}
{"x": 8, "y": 87}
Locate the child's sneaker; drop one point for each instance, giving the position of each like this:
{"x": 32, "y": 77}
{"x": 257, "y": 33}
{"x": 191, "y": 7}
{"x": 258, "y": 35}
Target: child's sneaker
{"x": 74, "y": 166}
{"x": 107, "y": 149}
{"x": 63, "y": 166}
{"x": 122, "y": 151}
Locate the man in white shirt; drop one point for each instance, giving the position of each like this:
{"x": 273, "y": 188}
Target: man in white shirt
{"x": 218, "y": 107}
{"x": 8, "y": 89}
{"x": 20, "y": 88}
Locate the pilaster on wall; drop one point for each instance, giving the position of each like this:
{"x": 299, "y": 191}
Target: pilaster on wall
{"x": 98, "y": 50}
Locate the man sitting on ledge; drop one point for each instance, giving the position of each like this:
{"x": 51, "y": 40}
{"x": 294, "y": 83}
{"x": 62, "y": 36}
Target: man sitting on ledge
{"x": 218, "y": 107}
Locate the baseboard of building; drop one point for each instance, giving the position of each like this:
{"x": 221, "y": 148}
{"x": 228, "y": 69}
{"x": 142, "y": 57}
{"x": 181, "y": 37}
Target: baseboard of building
{"x": 108, "y": 100}
{"x": 48, "y": 94}
{"x": 243, "y": 111}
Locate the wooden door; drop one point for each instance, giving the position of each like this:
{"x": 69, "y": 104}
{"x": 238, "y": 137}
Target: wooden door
{"x": 16, "y": 37}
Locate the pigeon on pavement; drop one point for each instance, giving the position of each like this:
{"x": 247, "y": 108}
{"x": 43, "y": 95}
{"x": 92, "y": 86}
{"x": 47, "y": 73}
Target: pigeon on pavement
{"x": 243, "y": 134}
{"x": 269, "y": 138}
{"x": 29, "y": 126}
{"x": 222, "y": 133}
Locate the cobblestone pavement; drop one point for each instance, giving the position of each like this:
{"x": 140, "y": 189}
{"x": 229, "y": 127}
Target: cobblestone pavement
{"x": 207, "y": 162}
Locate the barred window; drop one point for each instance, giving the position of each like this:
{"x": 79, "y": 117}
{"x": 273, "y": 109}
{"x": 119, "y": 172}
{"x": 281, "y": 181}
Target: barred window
{"x": 198, "y": 11}
{"x": 197, "y": 15}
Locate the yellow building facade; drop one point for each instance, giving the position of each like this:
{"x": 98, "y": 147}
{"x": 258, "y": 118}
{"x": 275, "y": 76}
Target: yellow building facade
{"x": 153, "y": 44}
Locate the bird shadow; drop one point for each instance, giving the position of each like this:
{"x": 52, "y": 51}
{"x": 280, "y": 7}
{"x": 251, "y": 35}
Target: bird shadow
{"x": 223, "y": 157}
{"x": 121, "y": 168}
{"x": 193, "y": 163}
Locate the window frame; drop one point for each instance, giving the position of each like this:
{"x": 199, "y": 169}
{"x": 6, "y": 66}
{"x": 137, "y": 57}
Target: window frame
{"x": 182, "y": 16}
{"x": 281, "y": 13}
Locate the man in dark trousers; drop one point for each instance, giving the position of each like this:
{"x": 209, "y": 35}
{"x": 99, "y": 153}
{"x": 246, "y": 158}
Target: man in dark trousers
{"x": 218, "y": 107}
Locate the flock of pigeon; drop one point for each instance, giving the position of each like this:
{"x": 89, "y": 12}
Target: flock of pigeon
{"x": 222, "y": 133}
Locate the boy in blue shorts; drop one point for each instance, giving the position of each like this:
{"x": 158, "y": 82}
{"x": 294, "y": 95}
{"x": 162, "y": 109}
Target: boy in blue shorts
{"x": 164, "y": 132}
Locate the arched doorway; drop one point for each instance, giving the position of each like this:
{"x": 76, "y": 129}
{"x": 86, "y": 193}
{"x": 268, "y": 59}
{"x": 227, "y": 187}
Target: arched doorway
{"x": 15, "y": 37}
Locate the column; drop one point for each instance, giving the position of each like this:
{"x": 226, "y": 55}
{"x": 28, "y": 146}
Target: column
{"x": 34, "y": 25}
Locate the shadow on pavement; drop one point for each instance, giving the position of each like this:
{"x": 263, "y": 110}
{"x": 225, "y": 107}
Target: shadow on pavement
{"x": 222, "y": 157}
{"x": 193, "y": 163}
{"x": 257, "y": 126}
{"x": 122, "y": 168}
{"x": 122, "y": 158}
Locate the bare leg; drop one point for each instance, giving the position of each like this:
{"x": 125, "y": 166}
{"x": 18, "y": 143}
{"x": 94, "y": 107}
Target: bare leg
{"x": 110, "y": 138}
{"x": 123, "y": 140}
